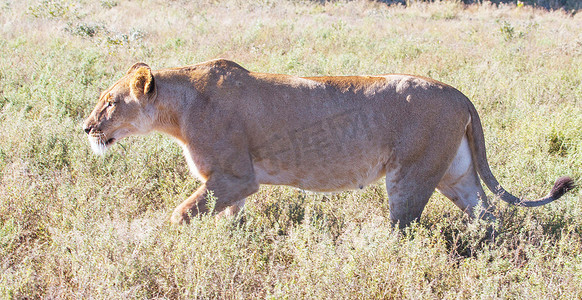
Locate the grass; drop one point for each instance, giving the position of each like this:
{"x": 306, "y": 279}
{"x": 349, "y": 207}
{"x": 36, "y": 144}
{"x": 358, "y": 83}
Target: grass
{"x": 75, "y": 225}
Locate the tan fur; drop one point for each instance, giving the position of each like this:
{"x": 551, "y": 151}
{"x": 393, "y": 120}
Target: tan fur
{"x": 240, "y": 129}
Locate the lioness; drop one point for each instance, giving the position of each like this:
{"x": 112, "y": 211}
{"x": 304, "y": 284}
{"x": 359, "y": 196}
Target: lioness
{"x": 240, "y": 129}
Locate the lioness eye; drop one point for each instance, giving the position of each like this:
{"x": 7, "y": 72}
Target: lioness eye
{"x": 110, "y": 100}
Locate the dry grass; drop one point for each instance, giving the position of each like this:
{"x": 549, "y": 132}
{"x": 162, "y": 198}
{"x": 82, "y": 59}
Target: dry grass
{"x": 73, "y": 225}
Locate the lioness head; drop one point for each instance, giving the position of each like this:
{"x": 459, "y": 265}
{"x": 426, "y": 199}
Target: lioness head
{"x": 122, "y": 110}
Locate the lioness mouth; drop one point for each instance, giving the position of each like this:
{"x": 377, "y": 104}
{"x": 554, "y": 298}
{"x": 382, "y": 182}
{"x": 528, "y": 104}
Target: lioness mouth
{"x": 109, "y": 142}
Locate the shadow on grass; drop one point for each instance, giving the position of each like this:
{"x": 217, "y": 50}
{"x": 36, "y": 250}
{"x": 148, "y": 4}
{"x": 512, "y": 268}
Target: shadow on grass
{"x": 572, "y": 6}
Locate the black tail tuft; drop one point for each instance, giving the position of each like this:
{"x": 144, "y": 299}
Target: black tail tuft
{"x": 562, "y": 185}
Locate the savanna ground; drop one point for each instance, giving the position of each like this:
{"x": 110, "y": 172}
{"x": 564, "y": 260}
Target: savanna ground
{"x": 76, "y": 225}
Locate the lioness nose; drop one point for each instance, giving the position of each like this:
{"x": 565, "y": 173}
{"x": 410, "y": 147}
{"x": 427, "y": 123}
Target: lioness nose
{"x": 87, "y": 129}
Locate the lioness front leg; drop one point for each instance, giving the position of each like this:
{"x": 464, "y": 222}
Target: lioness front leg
{"x": 233, "y": 210}
{"x": 194, "y": 205}
{"x": 227, "y": 191}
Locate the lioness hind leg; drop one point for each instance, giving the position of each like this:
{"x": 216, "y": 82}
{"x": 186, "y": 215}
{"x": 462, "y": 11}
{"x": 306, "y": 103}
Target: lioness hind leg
{"x": 462, "y": 186}
{"x": 407, "y": 200}
{"x": 466, "y": 193}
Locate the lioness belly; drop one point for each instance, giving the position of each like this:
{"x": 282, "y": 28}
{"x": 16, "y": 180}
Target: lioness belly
{"x": 323, "y": 175}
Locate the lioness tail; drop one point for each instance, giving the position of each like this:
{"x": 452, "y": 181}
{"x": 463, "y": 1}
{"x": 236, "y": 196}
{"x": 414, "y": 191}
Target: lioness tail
{"x": 477, "y": 144}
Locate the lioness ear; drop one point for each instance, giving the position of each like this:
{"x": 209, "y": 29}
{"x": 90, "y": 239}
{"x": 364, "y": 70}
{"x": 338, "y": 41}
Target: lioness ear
{"x": 142, "y": 82}
{"x": 137, "y": 66}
